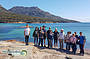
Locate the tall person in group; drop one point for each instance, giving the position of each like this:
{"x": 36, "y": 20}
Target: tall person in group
{"x": 27, "y": 34}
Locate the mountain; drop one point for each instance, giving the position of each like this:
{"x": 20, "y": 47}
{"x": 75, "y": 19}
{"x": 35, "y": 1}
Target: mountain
{"x": 33, "y": 11}
{"x": 30, "y": 14}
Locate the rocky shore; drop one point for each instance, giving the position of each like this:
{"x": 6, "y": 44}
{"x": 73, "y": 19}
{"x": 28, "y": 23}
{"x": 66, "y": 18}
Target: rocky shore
{"x": 11, "y": 49}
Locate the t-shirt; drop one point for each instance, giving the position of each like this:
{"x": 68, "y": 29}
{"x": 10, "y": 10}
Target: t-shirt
{"x": 41, "y": 34}
{"x": 61, "y": 35}
{"x": 35, "y": 33}
{"x": 27, "y": 30}
{"x": 76, "y": 36}
{"x": 82, "y": 38}
{"x": 56, "y": 35}
{"x": 48, "y": 32}
{"x": 44, "y": 33}
{"x": 73, "y": 39}
{"x": 67, "y": 38}
{"x": 50, "y": 36}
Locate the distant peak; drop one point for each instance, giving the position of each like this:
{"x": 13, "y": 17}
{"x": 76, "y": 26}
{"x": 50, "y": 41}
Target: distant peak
{"x": 0, "y": 5}
{"x": 25, "y": 7}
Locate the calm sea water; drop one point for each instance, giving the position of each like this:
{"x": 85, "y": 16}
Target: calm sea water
{"x": 10, "y": 31}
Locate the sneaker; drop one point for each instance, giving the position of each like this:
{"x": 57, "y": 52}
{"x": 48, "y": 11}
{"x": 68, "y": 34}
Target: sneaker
{"x": 81, "y": 54}
{"x": 44, "y": 45}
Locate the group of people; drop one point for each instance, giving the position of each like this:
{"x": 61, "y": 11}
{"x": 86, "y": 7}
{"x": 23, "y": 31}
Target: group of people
{"x": 71, "y": 40}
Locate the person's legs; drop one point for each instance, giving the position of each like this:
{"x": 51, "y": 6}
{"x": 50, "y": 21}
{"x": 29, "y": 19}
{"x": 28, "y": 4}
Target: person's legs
{"x": 51, "y": 43}
{"x": 48, "y": 42}
{"x": 60, "y": 43}
{"x": 81, "y": 49}
{"x": 75, "y": 48}
{"x": 39, "y": 41}
{"x": 66, "y": 45}
{"x": 54, "y": 42}
{"x": 26, "y": 39}
{"x": 34, "y": 40}
{"x": 42, "y": 42}
{"x": 69, "y": 46}
{"x": 72, "y": 47}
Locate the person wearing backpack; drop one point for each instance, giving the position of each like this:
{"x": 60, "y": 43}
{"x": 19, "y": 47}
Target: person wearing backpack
{"x": 82, "y": 43}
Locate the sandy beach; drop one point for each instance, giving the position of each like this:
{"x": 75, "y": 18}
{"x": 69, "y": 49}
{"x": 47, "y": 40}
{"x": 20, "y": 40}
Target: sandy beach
{"x": 33, "y": 52}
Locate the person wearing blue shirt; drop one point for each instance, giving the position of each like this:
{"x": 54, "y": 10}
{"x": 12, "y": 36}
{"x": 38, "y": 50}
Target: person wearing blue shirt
{"x": 82, "y": 43}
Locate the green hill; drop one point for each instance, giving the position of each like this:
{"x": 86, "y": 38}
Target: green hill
{"x": 7, "y": 16}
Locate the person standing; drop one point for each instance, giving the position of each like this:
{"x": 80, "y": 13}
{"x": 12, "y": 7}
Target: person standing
{"x": 44, "y": 30}
{"x": 67, "y": 41}
{"x": 77, "y": 42}
{"x": 56, "y": 37}
{"x": 61, "y": 38}
{"x": 73, "y": 40}
{"x": 27, "y": 34}
{"x": 48, "y": 32}
{"x": 36, "y": 35}
{"x": 50, "y": 37}
{"x": 82, "y": 43}
{"x": 41, "y": 37}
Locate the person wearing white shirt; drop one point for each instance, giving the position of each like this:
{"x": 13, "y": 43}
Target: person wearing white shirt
{"x": 61, "y": 37}
{"x": 26, "y": 34}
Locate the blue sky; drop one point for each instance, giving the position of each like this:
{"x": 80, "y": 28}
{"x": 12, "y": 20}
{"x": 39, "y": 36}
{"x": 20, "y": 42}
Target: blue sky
{"x": 71, "y": 9}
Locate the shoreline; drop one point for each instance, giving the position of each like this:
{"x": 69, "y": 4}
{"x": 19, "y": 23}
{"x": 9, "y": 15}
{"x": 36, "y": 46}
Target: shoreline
{"x": 34, "y": 52}
{"x": 33, "y": 43}
{"x": 40, "y": 22}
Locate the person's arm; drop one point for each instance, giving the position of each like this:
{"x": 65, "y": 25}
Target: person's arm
{"x": 84, "y": 41}
{"x": 29, "y": 31}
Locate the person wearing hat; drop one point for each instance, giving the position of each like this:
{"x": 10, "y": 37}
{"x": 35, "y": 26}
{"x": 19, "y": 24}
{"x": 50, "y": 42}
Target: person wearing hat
{"x": 61, "y": 37}
{"x": 56, "y": 37}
